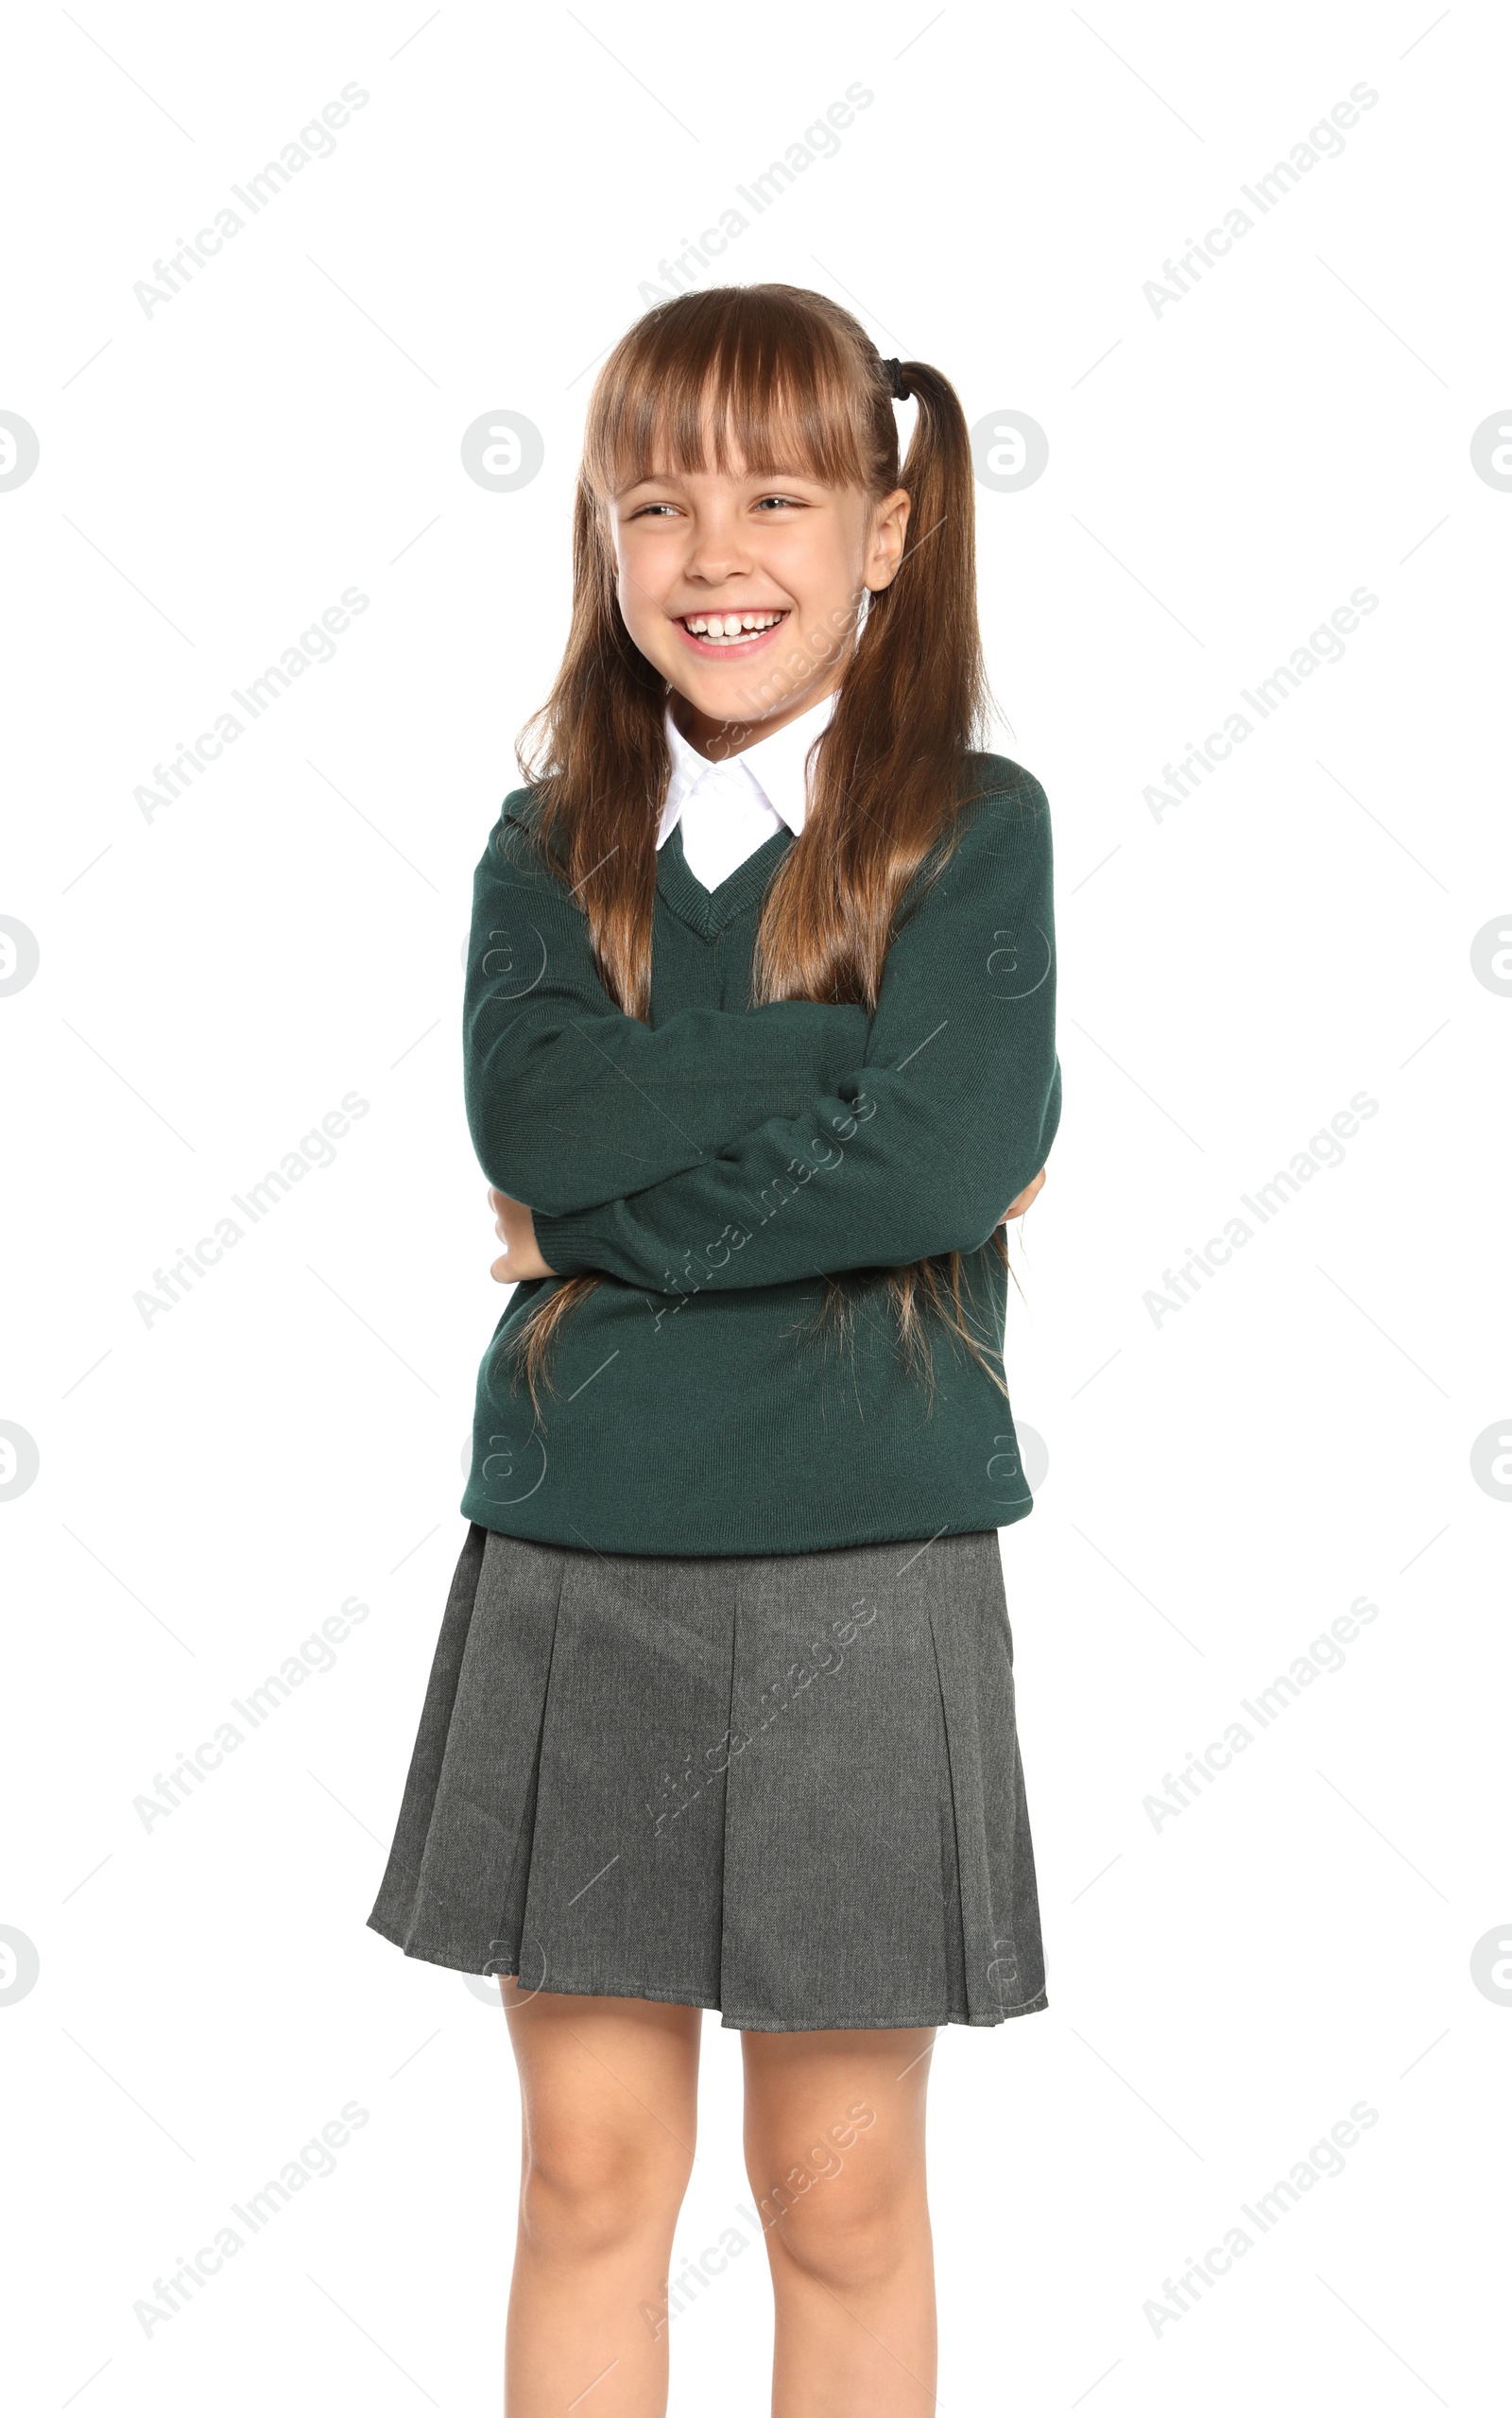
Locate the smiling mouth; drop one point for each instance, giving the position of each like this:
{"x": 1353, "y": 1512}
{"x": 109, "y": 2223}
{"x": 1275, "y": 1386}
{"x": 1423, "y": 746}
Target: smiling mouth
{"x": 730, "y": 629}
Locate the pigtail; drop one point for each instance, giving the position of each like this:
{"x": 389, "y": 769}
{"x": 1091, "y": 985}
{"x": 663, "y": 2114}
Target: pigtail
{"x": 600, "y": 735}
{"x": 918, "y": 672}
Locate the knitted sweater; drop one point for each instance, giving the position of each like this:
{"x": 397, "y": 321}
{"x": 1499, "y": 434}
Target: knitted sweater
{"x": 716, "y": 1164}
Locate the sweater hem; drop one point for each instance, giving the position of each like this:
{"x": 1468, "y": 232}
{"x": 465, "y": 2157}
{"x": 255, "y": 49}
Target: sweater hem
{"x": 488, "y": 1516}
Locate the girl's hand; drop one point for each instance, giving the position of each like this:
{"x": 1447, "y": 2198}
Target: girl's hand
{"x": 516, "y": 1228}
{"x": 1016, "y": 1208}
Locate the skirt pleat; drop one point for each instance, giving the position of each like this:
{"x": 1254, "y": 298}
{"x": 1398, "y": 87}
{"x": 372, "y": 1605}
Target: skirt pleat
{"x": 787, "y": 1787}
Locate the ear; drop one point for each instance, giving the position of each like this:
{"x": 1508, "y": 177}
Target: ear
{"x": 885, "y": 549}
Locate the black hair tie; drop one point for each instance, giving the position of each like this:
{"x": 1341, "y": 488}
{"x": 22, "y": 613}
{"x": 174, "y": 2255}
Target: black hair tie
{"x": 902, "y": 390}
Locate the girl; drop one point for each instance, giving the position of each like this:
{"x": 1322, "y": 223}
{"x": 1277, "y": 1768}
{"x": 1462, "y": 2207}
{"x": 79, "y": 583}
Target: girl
{"x": 760, "y": 1059}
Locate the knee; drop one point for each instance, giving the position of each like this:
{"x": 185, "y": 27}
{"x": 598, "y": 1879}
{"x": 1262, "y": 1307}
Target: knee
{"x": 581, "y": 2196}
{"x": 841, "y": 2231}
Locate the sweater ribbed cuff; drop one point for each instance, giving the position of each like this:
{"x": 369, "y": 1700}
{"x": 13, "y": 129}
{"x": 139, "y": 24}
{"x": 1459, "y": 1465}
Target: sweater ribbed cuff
{"x": 566, "y": 1243}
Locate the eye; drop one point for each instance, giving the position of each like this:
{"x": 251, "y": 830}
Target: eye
{"x": 641, "y": 510}
{"x": 796, "y": 502}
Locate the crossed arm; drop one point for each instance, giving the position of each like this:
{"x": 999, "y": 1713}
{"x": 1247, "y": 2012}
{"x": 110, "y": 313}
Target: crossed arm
{"x": 572, "y": 1104}
{"x": 921, "y": 1142}
{"x": 521, "y": 1259}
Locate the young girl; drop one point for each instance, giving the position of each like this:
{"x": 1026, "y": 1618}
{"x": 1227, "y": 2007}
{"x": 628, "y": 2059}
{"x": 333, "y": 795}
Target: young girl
{"x": 760, "y": 1059}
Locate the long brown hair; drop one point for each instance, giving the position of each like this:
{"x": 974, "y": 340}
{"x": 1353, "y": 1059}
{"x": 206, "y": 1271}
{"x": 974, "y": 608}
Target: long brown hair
{"x": 774, "y": 376}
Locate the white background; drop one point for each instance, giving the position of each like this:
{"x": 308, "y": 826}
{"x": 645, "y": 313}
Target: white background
{"x": 1220, "y": 1486}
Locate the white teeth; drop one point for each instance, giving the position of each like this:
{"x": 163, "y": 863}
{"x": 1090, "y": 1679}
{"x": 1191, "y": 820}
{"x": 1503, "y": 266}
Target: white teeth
{"x": 724, "y": 629}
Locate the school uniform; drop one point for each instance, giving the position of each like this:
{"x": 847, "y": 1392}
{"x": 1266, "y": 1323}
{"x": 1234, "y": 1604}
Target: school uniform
{"x": 722, "y": 1708}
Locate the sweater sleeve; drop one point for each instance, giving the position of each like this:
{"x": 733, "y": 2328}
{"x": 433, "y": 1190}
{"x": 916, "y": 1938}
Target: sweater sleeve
{"x": 572, "y": 1104}
{"x": 920, "y": 1147}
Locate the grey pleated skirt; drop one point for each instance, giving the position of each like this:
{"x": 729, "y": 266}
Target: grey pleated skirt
{"x": 784, "y": 1786}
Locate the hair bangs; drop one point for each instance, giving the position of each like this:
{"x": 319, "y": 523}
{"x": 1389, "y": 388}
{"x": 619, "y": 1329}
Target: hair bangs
{"x": 733, "y": 382}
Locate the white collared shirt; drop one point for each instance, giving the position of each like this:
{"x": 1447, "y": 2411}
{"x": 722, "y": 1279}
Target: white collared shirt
{"x": 728, "y": 808}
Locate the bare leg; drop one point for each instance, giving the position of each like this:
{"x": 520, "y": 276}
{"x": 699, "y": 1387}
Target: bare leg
{"x": 834, "y": 2151}
{"x": 609, "y": 2100}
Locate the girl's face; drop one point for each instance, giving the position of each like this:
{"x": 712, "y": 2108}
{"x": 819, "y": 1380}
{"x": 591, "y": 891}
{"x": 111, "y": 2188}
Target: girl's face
{"x": 745, "y": 591}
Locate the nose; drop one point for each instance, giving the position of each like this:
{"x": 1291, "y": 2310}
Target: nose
{"x": 719, "y": 551}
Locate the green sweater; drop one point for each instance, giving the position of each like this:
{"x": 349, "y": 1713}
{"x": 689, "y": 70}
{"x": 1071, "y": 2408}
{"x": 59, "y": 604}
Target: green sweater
{"x": 715, "y": 1163}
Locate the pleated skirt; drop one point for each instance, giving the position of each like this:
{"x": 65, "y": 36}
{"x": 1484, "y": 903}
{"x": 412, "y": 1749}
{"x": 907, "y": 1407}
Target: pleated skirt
{"x": 786, "y": 1786}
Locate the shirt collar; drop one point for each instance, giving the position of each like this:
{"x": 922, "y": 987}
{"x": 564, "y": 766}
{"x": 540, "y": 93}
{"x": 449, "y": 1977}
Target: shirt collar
{"x": 774, "y": 765}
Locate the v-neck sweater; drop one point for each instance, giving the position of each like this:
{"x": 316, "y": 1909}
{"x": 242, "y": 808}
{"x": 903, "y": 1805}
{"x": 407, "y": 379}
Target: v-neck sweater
{"x": 716, "y": 1164}
{"x": 726, "y": 806}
